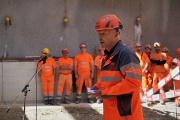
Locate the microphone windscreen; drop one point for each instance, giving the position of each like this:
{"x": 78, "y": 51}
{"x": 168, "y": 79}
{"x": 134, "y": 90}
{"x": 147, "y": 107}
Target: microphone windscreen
{"x": 49, "y": 55}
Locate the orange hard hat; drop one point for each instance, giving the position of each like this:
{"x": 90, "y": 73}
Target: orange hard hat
{"x": 165, "y": 49}
{"x": 148, "y": 46}
{"x": 157, "y": 44}
{"x": 101, "y": 49}
{"x": 177, "y": 51}
{"x": 108, "y": 22}
{"x": 65, "y": 50}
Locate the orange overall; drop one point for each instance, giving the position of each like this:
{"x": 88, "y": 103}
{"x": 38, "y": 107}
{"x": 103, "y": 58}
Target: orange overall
{"x": 158, "y": 70}
{"x": 47, "y": 77}
{"x": 65, "y": 77}
{"x": 176, "y": 82}
{"x": 168, "y": 69}
{"x": 144, "y": 59}
{"x": 98, "y": 61}
{"x": 83, "y": 63}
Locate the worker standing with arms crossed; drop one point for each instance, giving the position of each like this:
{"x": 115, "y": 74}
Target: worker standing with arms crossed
{"x": 84, "y": 72}
{"x": 65, "y": 77}
{"x": 158, "y": 59}
{"x": 47, "y": 75}
{"x": 144, "y": 62}
{"x": 121, "y": 74}
{"x": 98, "y": 61}
{"x": 175, "y": 63}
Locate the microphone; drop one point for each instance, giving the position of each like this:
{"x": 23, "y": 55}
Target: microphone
{"x": 49, "y": 55}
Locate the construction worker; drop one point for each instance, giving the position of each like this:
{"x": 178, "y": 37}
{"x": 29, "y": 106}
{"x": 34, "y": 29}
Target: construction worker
{"x": 84, "y": 72}
{"x": 47, "y": 75}
{"x": 98, "y": 61}
{"x": 148, "y": 49}
{"x": 121, "y": 74}
{"x": 65, "y": 77}
{"x": 158, "y": 59}
{"x": 144, "y": 61}
{"x": 175, "y": 63}
{"x": 167, "y": 67}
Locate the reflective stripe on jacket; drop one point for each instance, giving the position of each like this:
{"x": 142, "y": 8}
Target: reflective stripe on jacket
{"x": 120, "y": 83}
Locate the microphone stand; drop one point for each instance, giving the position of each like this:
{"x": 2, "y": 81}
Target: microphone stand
{"x": 25, "y": 89}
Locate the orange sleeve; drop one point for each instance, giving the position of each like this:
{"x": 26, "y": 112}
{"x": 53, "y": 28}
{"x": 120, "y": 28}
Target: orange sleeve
{"x": 97, "y": 61}
{"x": 54, "y": 63}
{"x": 91, "y": 60}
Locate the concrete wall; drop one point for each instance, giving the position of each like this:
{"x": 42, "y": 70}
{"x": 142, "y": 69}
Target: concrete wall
{"x": 39, "y": 23}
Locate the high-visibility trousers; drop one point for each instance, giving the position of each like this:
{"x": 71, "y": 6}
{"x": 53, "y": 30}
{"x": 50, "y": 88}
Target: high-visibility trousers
{"x": 47, "y": 84}
{"x": 177, "y": 86}
{"x": 67, "y": 80}
{"x": 80, "y": 81}
{"x": 144, "y": 84}
{"x": 149, "y": 80}
{"x": 157, "y": 76}
{"x": 168, "y": 84}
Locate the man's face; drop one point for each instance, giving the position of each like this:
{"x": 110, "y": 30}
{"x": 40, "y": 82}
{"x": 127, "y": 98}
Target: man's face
{"x": 83, "y": 49}
{"x": 101, "y": 52}
{"x": 147, "y": 50}
{"x": 157, "y": 48}
{"x": 138, "y": 48}
{"x": 65, "y": 54}
{"x": 106, "y": 37}
{"x": 166, "y": 52}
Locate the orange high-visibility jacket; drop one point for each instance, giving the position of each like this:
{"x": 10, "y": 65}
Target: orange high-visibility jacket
{"x": 98, "y": 61}
{"x": 65, "y": 62}
{"x": 120, "y": 83}
{"x": 48, "y": 67}
{"x": 83, "y": 63}
{"x": 158, "y": 56}
{"x": 167, "y": 65}
{"x": 143, "y": 59}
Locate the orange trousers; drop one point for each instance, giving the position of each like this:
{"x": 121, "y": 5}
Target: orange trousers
{"x": 177, "y": 86}
{"x": 80, "y": 81}
{"x": 149, "y": 79}
{"x": 157, "y": 76}
{"x": 47, "y": 84}
{"x": 67, "y": 80}
{"x": 169, "y": 84}
{"x": 144, "y": 84}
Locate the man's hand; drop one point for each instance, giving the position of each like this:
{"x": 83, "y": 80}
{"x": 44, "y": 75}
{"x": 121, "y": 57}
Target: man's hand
{"x": 94, "y": 87}
{"x": 98, "y": 94}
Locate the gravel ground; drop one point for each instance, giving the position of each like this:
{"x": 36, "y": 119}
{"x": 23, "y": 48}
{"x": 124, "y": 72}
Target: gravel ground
{"x": 82, "y": 111}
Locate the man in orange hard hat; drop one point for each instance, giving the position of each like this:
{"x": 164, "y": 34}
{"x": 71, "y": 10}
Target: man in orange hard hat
{"x": 175, "y": 63}
{"x": 84, "y": 72}
{"x": 167, "y": 67}
{"x": 65, "y": 77}
{"x": 144, "y": 62}
{"x": 98, "y": 61}
{"x": 47, "y": 75}
{"x": 158, "y": 59}
{"x": 121, "y": 74}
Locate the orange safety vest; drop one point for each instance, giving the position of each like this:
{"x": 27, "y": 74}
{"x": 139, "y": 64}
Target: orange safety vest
{"x": 65, "y": 62}
{"x": 143, "y": 58}
{"x": 98, "y": 61}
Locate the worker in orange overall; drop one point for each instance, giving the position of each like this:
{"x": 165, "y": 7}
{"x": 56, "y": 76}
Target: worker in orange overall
{"x": 148, "y": 49}
{"x": 175, "y": 63}
{"x": 158, "y": 59}
{"x": 144, "y": 61}
{"x": 84, "y": 72}
{"x": 121, "y": 74}
{"x": 98, "y": 61}
{"x": 167, "y": 67}
{"x": 47, "y": 75}
{"x": 65, "y": 77}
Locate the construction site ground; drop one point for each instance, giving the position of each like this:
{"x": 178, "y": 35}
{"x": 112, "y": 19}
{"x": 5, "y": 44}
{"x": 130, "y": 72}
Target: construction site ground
{"x": 82, "y": 111}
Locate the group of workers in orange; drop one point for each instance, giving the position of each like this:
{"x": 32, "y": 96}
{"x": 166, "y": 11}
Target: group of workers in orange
{"x": 83, "y": 69}
{"x": 155, "y": 66}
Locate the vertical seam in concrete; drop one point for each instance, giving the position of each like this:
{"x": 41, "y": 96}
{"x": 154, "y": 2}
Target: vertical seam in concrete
{"x": 2, "y": 83}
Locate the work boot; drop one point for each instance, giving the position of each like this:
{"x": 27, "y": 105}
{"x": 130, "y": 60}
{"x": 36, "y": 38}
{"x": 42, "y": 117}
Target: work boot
{"x": 51, "y": 101}
{"x": 66, "y": 101}
{"x": 58, "y": 102}
{"x": 46, "y": 102}
{"x": 90, "y": 100}
{"x": 78, "y": 100}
